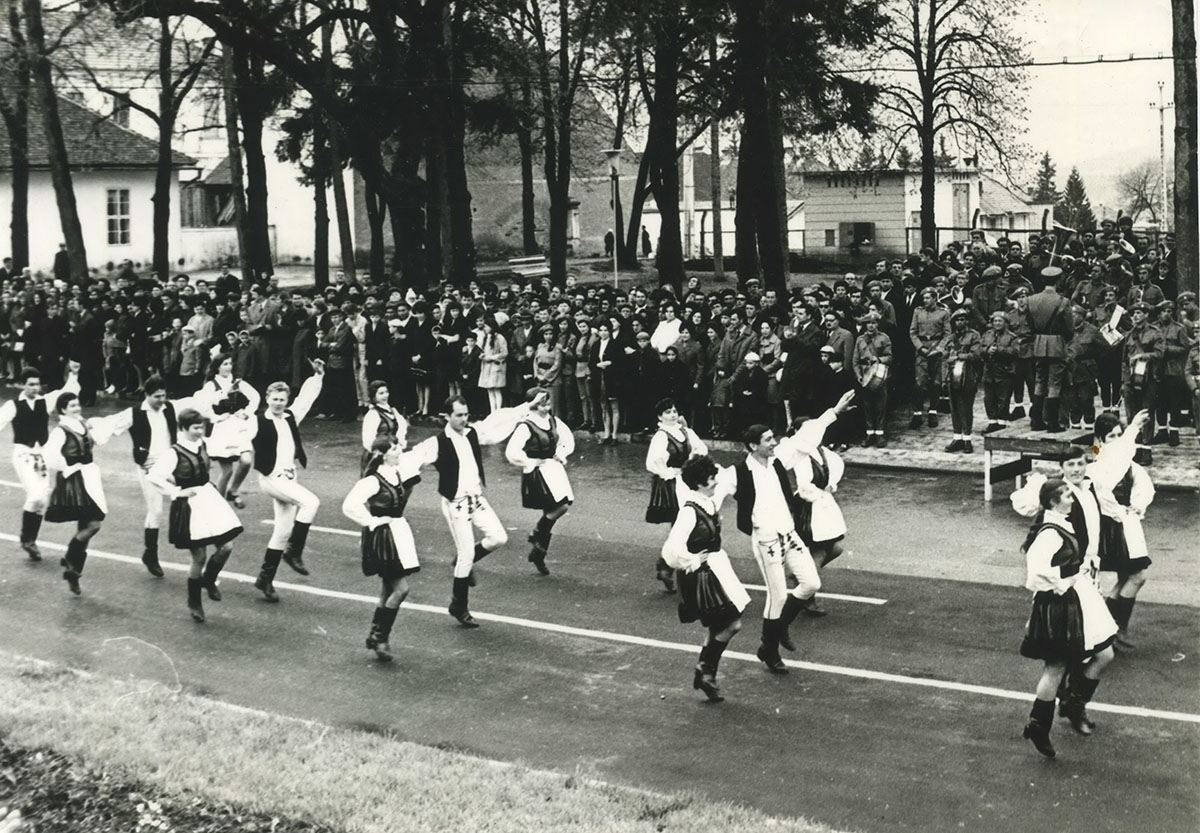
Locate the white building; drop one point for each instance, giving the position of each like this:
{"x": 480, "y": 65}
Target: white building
{"x": 112, "y": 169}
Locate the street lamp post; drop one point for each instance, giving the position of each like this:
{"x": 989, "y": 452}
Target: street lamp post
{"x": 614, "y": 174}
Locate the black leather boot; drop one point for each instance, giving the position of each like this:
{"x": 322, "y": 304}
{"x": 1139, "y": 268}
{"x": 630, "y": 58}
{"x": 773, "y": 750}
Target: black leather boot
{"x": 150, "y": 553}
{"x": 266, "y": 575}
{"x": 212, "y": 569}
{"x": 195, "y": 605}
{"x": 458, "y": 603}
{"x": 768, "y": 650}
{"x": 293, "y": 556}
{"x": 1037, "y": 730}
{"x": 31, "y": 522}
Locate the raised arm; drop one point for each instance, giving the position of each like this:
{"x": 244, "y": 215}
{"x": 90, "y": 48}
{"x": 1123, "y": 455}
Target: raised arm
{"x": 105, "y": 428}
{"x": 71, "y": 385}
{"x": 499, "y": 424}
{"x": 309, "y": 391}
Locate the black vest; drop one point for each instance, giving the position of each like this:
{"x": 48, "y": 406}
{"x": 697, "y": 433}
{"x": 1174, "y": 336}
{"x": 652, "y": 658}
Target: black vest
{"x": 678, "y": 451}
{"x": 266, "y": 443}
{"x": 744, "y": 493}
{"x": 31, "y": 425}
{"x": 447, "y": 463}
{"x": 139, "y": 432}
{"x": 542, "y": 443}
{"x": 1069, "y": 557}
{"x": 77, "y": 449}
{"x": 191, "y": 469}
{"x": 388, "y": 424}
{"x": 706, "y": 534}
{"x": 389, "y": 501}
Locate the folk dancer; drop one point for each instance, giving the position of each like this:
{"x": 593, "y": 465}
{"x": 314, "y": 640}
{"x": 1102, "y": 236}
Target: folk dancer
{"x": 152, "y": 428}
{"x": 1068, "y": 625}
{"x": 230, "y": 404}
{"x": 765, "y": 512}
{"x": 671, "y": 446}
{"x": 277, "y": 449}
{"x": 709, "y": 588}
{"x": 381, "y": 420}
{"x": 456, "y": 452}
{"x": 376, "y": 503}
{"x": 78, "y": 493}
{"x": 1125, "y": 491}
{"x": 1085, "y": 526}
{"x": 30, "y": 419}
{"x": 200, "y": 516}
{"x": 540, "y": 446}
{"x": 818, "y": 471}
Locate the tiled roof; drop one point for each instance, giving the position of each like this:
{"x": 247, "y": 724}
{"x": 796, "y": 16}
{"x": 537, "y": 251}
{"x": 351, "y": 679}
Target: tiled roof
{"x": 93, "y": 141}
{"x": 996, "y": 199}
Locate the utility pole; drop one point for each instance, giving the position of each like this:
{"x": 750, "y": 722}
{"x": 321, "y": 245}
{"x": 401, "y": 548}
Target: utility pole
{"x": 1162, "y": 152}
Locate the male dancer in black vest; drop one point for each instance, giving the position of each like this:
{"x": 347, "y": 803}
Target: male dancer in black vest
{"x": 457, "y": 455}
{"x": 765, "y": 512}
{"x": 277, "y": 449}
{"x": 151, "y": 427}
{"x": 30, "y": 420}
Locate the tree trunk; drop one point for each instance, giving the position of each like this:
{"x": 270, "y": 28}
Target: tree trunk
{"x": 462, "y": 253}
{"x": 236, "y": 178}
{"x": 928, "y": 179}
{"x": 929, "y": 235}
{"x": 745, "y": 226}
{"x": 162, "y": 172}
{"x": 253, "y": 111}
{"x": 714, "y": 175}
{"x": 60, "y": 166}
{"x": 772, "y": 223}
{"x": 529, "y": 242}
{"x": 336, "y": 166}
{"x": 320, "y": 183}
{"x": 1187, "y": 251}
{"x": 435, "y": 185}
{"x": 634, "y": 235}
{"x": 663, "y": 139}
{"x": 375, "y": 217}
{"x": 15, "y": 111}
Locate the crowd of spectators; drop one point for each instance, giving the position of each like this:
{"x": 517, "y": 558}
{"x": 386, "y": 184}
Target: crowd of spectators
{"x": 926, "y": 332}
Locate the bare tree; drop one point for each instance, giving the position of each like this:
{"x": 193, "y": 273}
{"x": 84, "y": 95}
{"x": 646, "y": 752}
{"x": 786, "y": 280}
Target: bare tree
{"x": 1140, "y": 190}
{"x": 180, "y": 62}
{"x": 958, "y": 76}
{"x": 14, "y": 107}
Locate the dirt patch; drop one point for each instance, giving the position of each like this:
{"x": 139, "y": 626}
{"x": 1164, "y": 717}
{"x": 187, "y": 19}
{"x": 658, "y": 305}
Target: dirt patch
{"x": 57, "y": 794}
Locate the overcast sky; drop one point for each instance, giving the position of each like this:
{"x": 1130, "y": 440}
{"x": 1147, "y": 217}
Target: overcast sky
{"x": 1098, "y": 117}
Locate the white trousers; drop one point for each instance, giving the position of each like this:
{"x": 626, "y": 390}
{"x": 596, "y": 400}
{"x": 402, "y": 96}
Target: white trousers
{"x": 153, "y": 498}
{"x": 777, "y": 557}
{"x": 292, "y": 503}
{"x": 31, "y": 471}
{"x": 464, "y": 516}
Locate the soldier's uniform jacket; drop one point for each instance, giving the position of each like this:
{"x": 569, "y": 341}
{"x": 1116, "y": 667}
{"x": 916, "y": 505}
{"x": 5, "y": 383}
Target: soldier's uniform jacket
{"x": 1145, "y": 338}
{"x": 966, "y": 347}
{"x": 1084, "y": 350}
{"x": 990, "y": 296}
{"x": 999, "y": 366}
{"x": 1176, "y": 343}
{"x": 929, "y": 328}
{"x": 1049, "y": 317}
{"x": 869, "y": 349}
{"x": 1018, "y": 325}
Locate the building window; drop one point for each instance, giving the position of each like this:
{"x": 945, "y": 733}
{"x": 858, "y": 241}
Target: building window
{"x": 118, "y": 216}
{"x": 830, "y": 238}
{"x": 120, "y": 112}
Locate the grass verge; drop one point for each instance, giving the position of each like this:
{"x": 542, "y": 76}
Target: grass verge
{"x": 191, "y": 750}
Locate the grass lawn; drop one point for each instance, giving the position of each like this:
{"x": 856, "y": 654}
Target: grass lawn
{"x": 86, "y": 753}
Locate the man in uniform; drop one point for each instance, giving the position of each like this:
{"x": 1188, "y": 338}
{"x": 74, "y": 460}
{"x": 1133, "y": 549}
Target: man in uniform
{"x": 1049, "y": 317}
{"x": 930, "y": 326}
{"x": 1172, "y": 388}
{"x": 1141, "y": 359}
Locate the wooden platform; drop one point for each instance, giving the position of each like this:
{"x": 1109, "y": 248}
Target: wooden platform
{"x": 1030, "y": 445}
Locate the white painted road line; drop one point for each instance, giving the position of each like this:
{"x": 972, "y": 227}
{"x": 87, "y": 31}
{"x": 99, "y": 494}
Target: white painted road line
{"x": 841, "y": 597}
{"x": 12, "y": 483}
{"x": 646, "y": 642}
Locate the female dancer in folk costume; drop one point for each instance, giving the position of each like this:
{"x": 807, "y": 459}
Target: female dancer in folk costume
{"x": 230, "y": 403}
{"x": 818, "y": 471}
{"x": 78, "y": 493}
{"x": 709, "y": 588}
{"x": 670, "y": 447}
{"x": 1069, "y": 624}
{"x": 540, "y": 445}
{"x": 381, "y": 420}
{"x": 200, "y": 517}
{"x": 376, "y": 503}
{"x": 30, "y": 419}
{"x": 1125, "y": 492}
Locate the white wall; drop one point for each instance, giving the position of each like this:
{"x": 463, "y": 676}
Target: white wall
{"x": 45, "y": 230}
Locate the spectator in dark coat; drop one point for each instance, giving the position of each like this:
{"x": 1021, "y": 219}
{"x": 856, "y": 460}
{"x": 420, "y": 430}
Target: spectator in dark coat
{"x": 802, "y": 341}
{"x": 748, "y": 394}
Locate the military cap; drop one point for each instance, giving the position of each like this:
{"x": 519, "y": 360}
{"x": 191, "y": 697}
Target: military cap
{"x": 1052, "y": 273}
{"x": 1140, "y": 305}
{"x": 1165, "y": 304}
{"x": 961, "y": 312}
{"x": 992, "y": 272}
{"x": 1187, "y": 296}
{"x": 1013, "y": 267}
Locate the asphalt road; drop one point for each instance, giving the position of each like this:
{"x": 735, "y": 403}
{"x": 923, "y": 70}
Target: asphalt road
{"x": 900, "y": 716}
